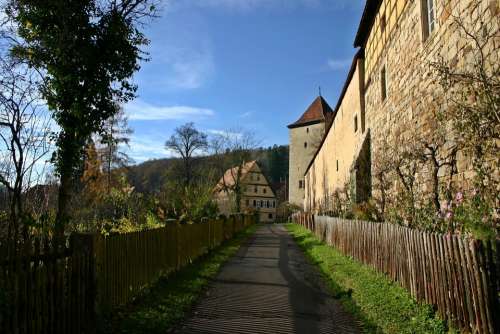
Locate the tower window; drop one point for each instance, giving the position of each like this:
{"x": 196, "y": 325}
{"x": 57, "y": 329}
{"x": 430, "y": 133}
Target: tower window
{"x": 337, "y": 165}
{"x": 383, "y": 83}
{"x": 383, "y": 23}
{"x": 305, "y": 145}
{"x": 356, "y": 123}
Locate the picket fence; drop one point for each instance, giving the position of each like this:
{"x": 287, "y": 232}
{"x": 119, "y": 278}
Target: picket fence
{"x": 49, "y": 289}
{"x": 459, "y": 276}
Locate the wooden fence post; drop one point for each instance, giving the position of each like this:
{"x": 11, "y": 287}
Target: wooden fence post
{"x": 88, "y": 246}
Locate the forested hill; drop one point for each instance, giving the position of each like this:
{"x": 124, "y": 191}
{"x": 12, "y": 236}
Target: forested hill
{"x": 149, "y": 176}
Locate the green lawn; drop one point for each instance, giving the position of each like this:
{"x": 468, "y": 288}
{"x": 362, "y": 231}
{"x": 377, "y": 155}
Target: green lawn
{"x": 382, "y": 305}
{"x": 170, "y": 299}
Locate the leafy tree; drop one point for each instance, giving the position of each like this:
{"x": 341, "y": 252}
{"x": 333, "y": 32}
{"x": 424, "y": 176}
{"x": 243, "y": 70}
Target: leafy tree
{"x": 187, "y": 141}
{"x": 87, "y": 51}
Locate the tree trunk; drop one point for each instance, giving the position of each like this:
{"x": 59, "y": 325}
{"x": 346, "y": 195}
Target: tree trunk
{"x": 62, "y": 217}
{"x": 435, "y": 187}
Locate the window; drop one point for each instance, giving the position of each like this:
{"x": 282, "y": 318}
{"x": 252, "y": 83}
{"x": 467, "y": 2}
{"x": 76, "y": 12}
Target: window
{"x": 383, "y": 23}
{"x": 247, "y": 202}
{"x": 337, "y": 165}
{"x": 261, "y": 203}
{"x": 258, "y": 177}
{"x": 255, "y": 190}
{"x": 270, "y": 216}
{"x": 301, "y": 185}
{"x": 305, "y": 145}
{"x": 356, "y": 123}
{"x": 307, "y": 130}
{"x": 428, "y": 18}
{"x": 254, "y": 203}
{"x": 383, "y": 83}
{"x": 274, "y": 204}
{"x": 264, "y": 190}
{"x": 268, "y": 204}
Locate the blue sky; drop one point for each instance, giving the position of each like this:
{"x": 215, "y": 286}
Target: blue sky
{"x": 251, "y": 65}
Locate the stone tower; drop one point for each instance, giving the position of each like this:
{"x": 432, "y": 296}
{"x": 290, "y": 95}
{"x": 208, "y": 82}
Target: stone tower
{"x": 305, "y": 138}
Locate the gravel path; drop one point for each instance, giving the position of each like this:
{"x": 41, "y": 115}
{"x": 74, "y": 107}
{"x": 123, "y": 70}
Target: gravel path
{"x": 269, "y": 287}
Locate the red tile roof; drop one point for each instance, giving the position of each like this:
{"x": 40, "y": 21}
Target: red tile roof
{"x": 318, "y": 112}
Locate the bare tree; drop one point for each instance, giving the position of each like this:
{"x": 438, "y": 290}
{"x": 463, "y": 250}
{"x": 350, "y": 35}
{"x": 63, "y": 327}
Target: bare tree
{"x": 24, "y": 136}
{"x": 186, "y": 142}
{"x": 233, "y": 149}
{"x": 115, "y": 134}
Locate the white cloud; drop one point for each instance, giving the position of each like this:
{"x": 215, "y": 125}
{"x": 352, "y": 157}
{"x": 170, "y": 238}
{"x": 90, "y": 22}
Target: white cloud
{"x": 139, "y": 110}
{"x": 178, "y": 62}
{"x": 191, "y": 68}
{"x": 227, "y": 134}
{"x": 144, "y": 148}
{"x": 338, "y": 64}
{"x": 246, "y": 114}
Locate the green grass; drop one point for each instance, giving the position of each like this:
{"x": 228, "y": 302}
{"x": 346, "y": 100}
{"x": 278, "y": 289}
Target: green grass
{"x": 382, "y": 305}
{"x": 171, "y": 298}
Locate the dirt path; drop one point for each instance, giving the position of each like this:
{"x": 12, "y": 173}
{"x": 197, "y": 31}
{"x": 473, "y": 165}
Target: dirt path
{"x": 269, "y": 287}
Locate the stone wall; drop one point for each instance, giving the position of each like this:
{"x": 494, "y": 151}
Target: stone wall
{"x": 332, "y": 165}
{"x": 413, "y": 89}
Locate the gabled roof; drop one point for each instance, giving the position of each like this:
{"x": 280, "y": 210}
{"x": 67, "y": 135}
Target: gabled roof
{"x": 367, "y": 20}
{"x": 229, "y": 178}
{"x": 319, "y": 111}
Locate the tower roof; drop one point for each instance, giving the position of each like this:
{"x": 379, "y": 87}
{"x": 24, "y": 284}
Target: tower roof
{"x": 318, "y": 112}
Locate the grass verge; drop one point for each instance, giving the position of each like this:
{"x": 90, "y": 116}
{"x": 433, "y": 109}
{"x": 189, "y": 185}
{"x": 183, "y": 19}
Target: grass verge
{"x": 168, "y": 301}
{"x": 382, "y": 305}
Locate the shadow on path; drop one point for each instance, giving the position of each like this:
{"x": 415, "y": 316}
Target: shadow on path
{"x": 268, "y": 287}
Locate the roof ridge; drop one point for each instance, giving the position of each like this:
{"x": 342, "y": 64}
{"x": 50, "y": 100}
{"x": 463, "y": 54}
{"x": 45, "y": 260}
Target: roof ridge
{"x": 317, "y": 112}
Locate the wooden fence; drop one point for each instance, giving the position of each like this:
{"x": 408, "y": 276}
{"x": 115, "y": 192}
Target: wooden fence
{"x": 49, "y": 290}
{"x": 126, "y": 263}
{"x": 45, "y": 289}
{"x": 459, "y": 276}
